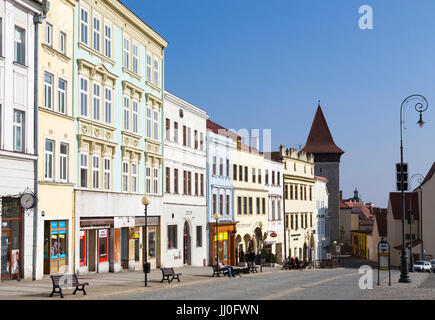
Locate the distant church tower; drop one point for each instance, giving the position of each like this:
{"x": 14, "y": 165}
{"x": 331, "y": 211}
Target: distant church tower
{"x": 327, "y": 164}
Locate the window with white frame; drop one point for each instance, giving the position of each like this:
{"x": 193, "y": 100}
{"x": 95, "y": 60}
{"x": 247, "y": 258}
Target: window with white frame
{"x": 125, "y": 176}
{"x": 156, "y": 125}
{"x": 148, "y": 179}
{"x": 126, "y": 50}
{"x": 49, "y": 34}
{"x": 135, "y": 58}
{"x": 83, "y": 170}
{"x": 96, "y": 34}
{"x": 273, "y": 209}
{"x": 126, "y": 113}
{"x": 149, "y": 121}
{"x": 63, "y": 162}
{"x": 18, "y": 130}
{"x": 97, "y": 99}
{"x": 20, "y": 45}
{"x": 149, "y": 67}
{"x": 84, "y": 23}
{"x": 107, "y": 173}
{"x": 62, "y": 42}
{"x": 48, "y": 159}
{"x": 95, "y": 172}
{"x": 156, "y": 72}
{"x": 108, "y": 41}
{"x": 48, "y": 91}
{"x": 108, "y": 105}
{"x": 133, "y": 177}
{"x": 135, "y": 117}
{"x": 156, "y": 181}
{"x": 61, "y": 96}
{"x": 83, "y": 97}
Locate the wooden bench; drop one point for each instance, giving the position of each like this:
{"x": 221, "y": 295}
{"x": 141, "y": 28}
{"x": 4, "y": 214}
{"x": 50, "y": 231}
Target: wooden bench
{"x": 169, "y": 274}
{"x": 218, "y": 272}
{"x": 66, "y": 281}
{"x": 252, "y": 267}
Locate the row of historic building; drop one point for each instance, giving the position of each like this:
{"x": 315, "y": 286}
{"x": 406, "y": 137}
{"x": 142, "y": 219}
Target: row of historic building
{"x": 87, "y": 129}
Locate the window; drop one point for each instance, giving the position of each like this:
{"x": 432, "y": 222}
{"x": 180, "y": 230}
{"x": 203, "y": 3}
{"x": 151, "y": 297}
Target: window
{"x": 175, "y": 131}
{"x": 156, "y": 181}
{"x": 156, "y": 125}
{"x": 107, "y": 172}
{"x": 62, "y": 42}
{"x": 83, "y": 97}
{"x": 48, "y": 34}
{"x": 126, "y": 53}
{"x": 125, "y": 176}
{"x": 259, "y": 175}
{"x": 202, "y": 184}
{"x": 18, "y": 131}
{"x": 278, "y": 178}
{"x": 235, "y": 172}
{"x": 149, "y": 128}
{"x": 214, "y": 203}
{"x": 168, "y": 180}
{"x": 176, "y": 181}
{"x": 199, "y": 236}
{"x": 196, "y": 184}
{"x": 239, "y": 205}
{"x": 63, "y": 174}
{"x": 148, "y": 179}
{"x": 214, "y": 166}
{"x": 240, "y": 173}
{"x": 221, "y": 204}
{"x": 189, "y": 182}
{"x": 311, "y": 194}
{"x": 135, "y": 117}
{"x": 48, "y": 91}
{"x": 195, "y": 139}
{"x": 48, "y": 156}
{"x": 97, "y": 31}
{"x": 97, "y": 99}
{"x": 267, "y": 177}
{"x": 135, "y": 59}
{"x": 273, "y": 209}
{"x": 253, "y": 175}
{"x": 172, "y": 237}
{"x": 83, "y": 170}
{"x": 20, "y": 45}
{"x": 108, "y": 105}
{"x": 228, "y": 168}
{"x": 133, "y": 177}
{"x": 108, "y": 41}
{"x": 201, "y": 141}
{"x": 126, "y": 113}
{"x": 148, "y": 67}
{"x": 168, "y": 130}
{"x": 184, "y": 136}
{"x": 103, "y": 245}
{"x": 258, "y": 205}
{"x": 61, "y": 96}
{"x": 228, "y": 205}
{"x": 286, "y": 191}
{"x": 246, "y": 174}
{"x": 291, "y": 192}
{"x": 278, "y": 203}
{"x": 95, "y": 172}
{"x": 250, "y": 206}
{"x": 156, "y": 72}
{"x": 189, "y": 137}
{"x": 264, "y": 205}
{"x": 84, "y": 26}
{"x": 273, "y": 178}
{"x": 221, "y": 167}
{"x": 245, "y": 205}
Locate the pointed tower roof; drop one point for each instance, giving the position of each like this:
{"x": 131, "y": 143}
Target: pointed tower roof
{"x": 320, "y": 138}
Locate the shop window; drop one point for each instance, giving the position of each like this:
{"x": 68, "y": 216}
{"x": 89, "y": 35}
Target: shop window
{"x": 58, "y": 240}
{"x": 198, "y": 236}
{"x": 172, "y": 237}
{"x": 152, "y": 244}
{"x": 103, "y": 245}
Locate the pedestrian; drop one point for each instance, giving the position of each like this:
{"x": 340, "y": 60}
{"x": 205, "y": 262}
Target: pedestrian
{"x": 229, "y": 268}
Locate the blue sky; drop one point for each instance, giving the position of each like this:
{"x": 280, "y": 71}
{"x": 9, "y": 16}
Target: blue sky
{"x": 265, "y": 64}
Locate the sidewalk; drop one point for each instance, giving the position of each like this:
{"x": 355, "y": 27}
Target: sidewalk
{"x": 110, "y": 284}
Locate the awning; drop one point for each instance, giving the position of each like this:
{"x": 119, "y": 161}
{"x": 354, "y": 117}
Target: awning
{"x": 95, "y": 222}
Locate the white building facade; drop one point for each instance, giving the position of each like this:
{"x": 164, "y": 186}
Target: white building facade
{"x": 185, "y": 206}
{"x": 273, "y": 181}
{"x": 17, "y": 132}
{"x": 321, "y": 196}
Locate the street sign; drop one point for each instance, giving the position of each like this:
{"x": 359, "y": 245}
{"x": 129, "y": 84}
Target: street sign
{"x": 384, "y": 258}
{"x": 399, "y": 171}
{"x": 337, "y": 248}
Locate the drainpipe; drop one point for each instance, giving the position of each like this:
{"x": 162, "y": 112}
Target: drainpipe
{"x": 37, "y": 20}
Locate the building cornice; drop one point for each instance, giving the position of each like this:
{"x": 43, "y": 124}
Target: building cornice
{"x": 186, "y": 105}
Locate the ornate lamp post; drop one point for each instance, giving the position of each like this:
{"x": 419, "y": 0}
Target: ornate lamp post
{"x": 146, "y": 202}
{"x": 216, "y": 216}
{"x": 420, "y": 107}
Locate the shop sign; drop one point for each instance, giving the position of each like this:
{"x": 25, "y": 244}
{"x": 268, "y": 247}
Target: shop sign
{"x": 222, "y": 236}
{"x": 102, "y": 233}
{"x": 273, "y": 234}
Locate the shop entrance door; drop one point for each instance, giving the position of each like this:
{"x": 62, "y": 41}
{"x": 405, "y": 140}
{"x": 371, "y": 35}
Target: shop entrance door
{"x": 92, "y": 251}
{"x": 186, "y": 244}
{"x": 6, "y": 255}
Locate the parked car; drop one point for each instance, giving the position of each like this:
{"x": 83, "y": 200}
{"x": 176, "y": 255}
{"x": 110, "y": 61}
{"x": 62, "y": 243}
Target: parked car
{"x": 432, "y": 263}
{"x": 424, "y": 266}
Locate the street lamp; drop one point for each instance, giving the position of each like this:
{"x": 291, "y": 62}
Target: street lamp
{"x": 420, "y": 107}
{"x": 146, "y": 202}
{"x": 216, "y": 216}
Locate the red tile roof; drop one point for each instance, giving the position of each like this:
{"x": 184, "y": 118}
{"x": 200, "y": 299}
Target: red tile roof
{"x": 361, "y": 208}
{"x": 214, "y": 127}
{"x": 429, "y": 174}
{"x": 320, "y": 138}
{"x": 396, "y": 204}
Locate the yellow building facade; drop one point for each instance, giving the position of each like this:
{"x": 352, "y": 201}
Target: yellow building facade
{"x": 56, "y": 141}
{"x": 250, "y": 199}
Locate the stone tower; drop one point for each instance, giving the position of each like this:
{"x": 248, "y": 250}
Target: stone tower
{"x": 327, "y": 164}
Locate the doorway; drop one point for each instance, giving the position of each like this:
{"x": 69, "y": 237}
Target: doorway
{"x": 186, "y": 244}
{"x": 92, "y": 250}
